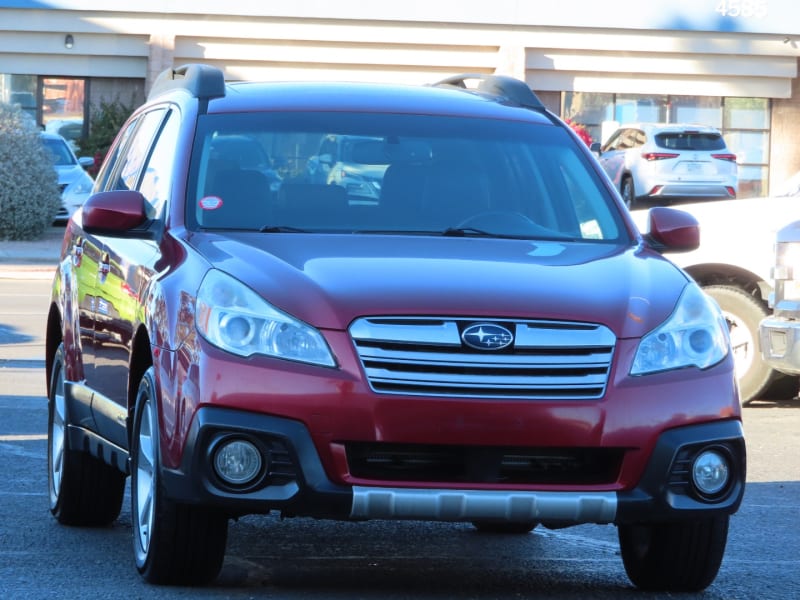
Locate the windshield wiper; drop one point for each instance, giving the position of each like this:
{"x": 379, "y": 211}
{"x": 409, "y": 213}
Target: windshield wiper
{"x": 467, "y": 231}
{"x": 474, "y": 232}
{"x": 281, "y": 229}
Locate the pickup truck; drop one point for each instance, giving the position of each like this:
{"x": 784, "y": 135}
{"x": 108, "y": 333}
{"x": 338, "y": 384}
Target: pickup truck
{"x": 733, "y": 265}
{"x": 780, "y": 332}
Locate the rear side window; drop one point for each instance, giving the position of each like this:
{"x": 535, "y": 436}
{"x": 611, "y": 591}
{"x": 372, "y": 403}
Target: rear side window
{"x": 690, "y": 140}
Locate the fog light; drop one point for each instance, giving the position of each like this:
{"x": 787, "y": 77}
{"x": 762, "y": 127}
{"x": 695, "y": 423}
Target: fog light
{"x": 237, "y": 462}
{"x": 710, "y": 472}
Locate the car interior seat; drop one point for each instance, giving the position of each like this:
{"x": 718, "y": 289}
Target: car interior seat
{"x": 312, "y": 206}
{"x": 245, "y": 200}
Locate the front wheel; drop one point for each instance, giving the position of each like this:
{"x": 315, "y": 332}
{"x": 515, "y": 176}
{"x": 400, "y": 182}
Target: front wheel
{"x": 174, "y": 544}
{"x": 83, "y": 489}
{"x": 675, "y": 557}
{"x": 743, "y": 313}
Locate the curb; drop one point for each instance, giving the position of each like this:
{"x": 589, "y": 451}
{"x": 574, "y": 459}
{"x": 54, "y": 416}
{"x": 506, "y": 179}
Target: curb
{"x": 27, "y": 271}
{"x": 31, "y": 259}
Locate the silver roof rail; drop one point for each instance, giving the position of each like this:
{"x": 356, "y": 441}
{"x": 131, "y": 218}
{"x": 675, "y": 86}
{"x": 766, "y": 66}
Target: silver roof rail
{"x": 201, "y": 81}
{"x": 497, "y": 85}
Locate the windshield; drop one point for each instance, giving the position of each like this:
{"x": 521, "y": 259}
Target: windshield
{"x": 59, "y": 151}
{"x": 379, "y": 173}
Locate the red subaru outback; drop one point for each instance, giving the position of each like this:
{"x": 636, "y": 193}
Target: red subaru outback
{"x": 459, "y": 323}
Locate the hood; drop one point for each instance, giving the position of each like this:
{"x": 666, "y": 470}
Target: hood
{"x": 68, "y": 173}
{"x": 328, "y": 280}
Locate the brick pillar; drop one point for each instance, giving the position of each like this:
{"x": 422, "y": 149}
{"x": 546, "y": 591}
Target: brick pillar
{"x": 784, "y": 155}
{"x": 511, "y": 61}
{"x": 162, "y": 53}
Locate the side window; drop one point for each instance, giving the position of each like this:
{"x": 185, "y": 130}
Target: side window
{"x": 157, "y": 177}
{"x": 101, "y": 182}
{"x": 328, "y": 146}
{"x": 627, "y": 139}
{"x": 613, "y": 143}
{"x": 127, "y": 175}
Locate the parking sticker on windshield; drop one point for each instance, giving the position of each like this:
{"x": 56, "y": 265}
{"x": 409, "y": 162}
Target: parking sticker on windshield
{"x": 210, "y": 202}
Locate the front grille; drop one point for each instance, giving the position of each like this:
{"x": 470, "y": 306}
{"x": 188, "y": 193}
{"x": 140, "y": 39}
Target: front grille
{"x": 471, "y": 464}
{"x": 425, "y": 356}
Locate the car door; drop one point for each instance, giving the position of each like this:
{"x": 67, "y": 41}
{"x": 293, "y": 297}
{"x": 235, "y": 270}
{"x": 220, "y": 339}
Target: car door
{"x": 123, "y": 267}
{"x": 86, "y": 254}
{"x": 612, "y": 155}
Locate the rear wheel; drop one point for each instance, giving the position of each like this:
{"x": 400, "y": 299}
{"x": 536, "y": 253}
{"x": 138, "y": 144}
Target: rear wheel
{"x": 676, "y": 557}
{"x": 743, "y": 313}
{"x": 174, "y": 543}
{"x": 628, "y": 191}
{"x": 501, "y": 527}
{"x": 83, "y": 489}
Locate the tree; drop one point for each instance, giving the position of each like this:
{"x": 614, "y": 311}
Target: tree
{"x": 29, "y": 194}
{"x": 582, "y": 132}
{"x": 105, "y": 122}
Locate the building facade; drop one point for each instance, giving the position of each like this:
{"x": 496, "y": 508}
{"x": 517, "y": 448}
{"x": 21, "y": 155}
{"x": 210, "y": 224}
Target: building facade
{"x": 732, "y": 64}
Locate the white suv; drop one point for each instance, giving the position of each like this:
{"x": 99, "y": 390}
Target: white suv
{"x": 669, "y": 162}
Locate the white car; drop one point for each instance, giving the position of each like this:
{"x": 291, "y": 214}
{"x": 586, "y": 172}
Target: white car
{"x": 652, "y": 161}
{"x": 73, "y": 180}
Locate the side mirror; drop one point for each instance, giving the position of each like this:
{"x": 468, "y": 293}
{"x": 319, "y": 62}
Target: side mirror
{"x": 117, "y": 211}
{"x": 595, "y": 147}
{"x": 673, "y": 230}
{"x": 86, "y": 161}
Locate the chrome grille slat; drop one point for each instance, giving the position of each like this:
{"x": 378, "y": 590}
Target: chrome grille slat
{"x": 499, "y": 361}
{"x": 486, "y": 380}
{"x": 417, "y": 356}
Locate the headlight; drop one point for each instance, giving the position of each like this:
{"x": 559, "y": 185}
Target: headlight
{"x": 695, "y": 335}
{"x": 786, "y": 271}
{"x": 82, "y": 185}
{"x": 233, "y": 317}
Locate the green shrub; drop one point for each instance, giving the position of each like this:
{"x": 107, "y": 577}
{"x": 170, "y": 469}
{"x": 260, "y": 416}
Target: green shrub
{"x": 106, "y": 120}
{"x": 29, "y": 194}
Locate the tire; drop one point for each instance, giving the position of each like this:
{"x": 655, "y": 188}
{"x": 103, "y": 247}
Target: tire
{"x": 174, "y": 544}
{"x": 628, "y": 191}
{"x": 83, "y": 490}
{"x": 743, "y": 313}
{"x": 502, "y": 527}
{"x": 677, "y": 556}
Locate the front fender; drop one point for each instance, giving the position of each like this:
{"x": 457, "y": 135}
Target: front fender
{"x": 65, "y": 308}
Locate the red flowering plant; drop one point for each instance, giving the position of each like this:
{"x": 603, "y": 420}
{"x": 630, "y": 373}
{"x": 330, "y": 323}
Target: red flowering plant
{"x": 582, "y": 132}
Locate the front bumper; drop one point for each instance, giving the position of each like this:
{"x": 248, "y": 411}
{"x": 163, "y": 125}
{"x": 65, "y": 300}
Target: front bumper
{"x": 780, "y": 344}
{"x": 297, "y": 484}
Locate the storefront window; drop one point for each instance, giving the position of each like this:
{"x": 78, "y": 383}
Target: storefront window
{"x": 21, "y": 91}
{"x": 639, "y": 108}
{"x": 705, "y": 110}
{"x": 590, "y": 110}
{"x": 63, "y": 107}
{"x": 56, "y": 104}
{"x": 744, "y": 123}
{"x": 746, "y": 129}
{"x": 746, "y": 113}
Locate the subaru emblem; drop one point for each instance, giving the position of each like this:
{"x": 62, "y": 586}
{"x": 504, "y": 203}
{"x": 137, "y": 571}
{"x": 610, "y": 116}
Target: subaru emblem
{"x": 487, "y": 336}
